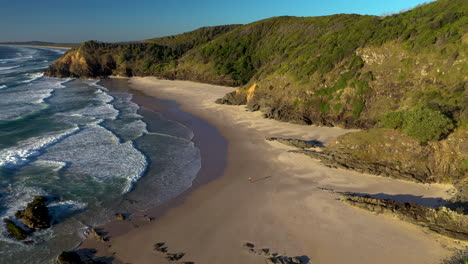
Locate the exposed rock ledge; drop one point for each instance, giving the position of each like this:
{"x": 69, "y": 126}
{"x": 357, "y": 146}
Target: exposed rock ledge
{"x": 442, "y": 220}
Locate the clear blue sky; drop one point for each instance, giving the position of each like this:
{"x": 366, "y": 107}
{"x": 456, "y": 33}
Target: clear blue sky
{"x": 126, "y": 20}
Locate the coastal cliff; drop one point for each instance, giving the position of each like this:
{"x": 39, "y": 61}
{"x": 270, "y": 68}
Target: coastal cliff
{"x": 153, "y": 57}
{"x": 339, "y": 70}
{"x": 403, "y": 77}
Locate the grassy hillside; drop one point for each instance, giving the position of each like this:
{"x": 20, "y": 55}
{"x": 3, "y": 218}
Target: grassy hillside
{"x": 189, "y": 40}
{"x": 345, "y": 70}
{"x": 153, "y": 57}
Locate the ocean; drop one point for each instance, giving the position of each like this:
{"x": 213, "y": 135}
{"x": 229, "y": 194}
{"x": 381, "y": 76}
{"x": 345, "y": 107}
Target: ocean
{"x": 86, "y": 148}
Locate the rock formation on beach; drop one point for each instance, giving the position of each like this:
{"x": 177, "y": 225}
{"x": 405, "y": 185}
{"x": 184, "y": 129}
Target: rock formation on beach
{"x": 15, "y": 231}
{"x": 441, "y": 220}
{"x": 34, "y": 217}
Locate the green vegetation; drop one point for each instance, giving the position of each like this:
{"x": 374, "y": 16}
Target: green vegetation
{"x": 186, "y": 41}
{"x": 15, "y": 231}
{"x": 406, "y": 72}
{"x": 420, "y": 122}
{"x": 347, "y": 70}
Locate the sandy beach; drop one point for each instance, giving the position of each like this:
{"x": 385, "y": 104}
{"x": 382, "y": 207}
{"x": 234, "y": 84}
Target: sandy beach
{"x": 288, "y": 208}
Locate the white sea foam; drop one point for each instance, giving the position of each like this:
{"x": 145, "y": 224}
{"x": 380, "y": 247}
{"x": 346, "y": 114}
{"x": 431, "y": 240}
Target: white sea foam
{"x": 97, "y": 152}
{"x": 16, "y": 59}
{"x": 129, "y": 130}
{"x": 8, "y": 113}
{"x": 18, "y": 198}
{"x": 14, "y": 97}
{"x": 9, "y": 68}
{"x": 54, "y": 165}
{"x": 105, "y": 111}
{"x": 103, "y": 96}
{"x": 20, "y": 154}
{"x": 21, "y": 101}
{"x": 102, "y": 110}
{"x": 3, "y": 87}
{"x": 33, "y": 76}
{"x": 61, "y": 209}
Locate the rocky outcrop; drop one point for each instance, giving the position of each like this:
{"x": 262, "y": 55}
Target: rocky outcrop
{"x": 15, "y": 231}
{"x": 120, "y": 217}
{"x": 36, "y": 215}
{"x": 274, "y": 258}
{"x": 163, "y": 250}
{"x": 442, "y": 220}
{"x": 69, "y": 257}
{"x": 297, "y": 143}
{"x": 233, "y": 98}
{"x": 72, "y": 257}
{"x": 98, "y": 234}
{"x": 82, "y": 63}
{"x": 389, "y": 153}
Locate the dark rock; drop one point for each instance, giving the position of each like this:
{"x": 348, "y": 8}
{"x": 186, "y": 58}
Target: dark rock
{"x": 120, "y": 217}
{"x": 160, "y": 247}
{"x": 442, "y": 220}
{"x": 15, "y": 231}
{"x": 175, "y": 257}
{"x": 296, "y": 260}
{"x": 69, "y": 257}
{"x": 248, "y": 245}
{"x": 233, "y": 98}
{"x": 253, "y": 107}
{"x": 298, "y": 143}
{"x": 36, "y": 215}
{"x": 98, "y": 235}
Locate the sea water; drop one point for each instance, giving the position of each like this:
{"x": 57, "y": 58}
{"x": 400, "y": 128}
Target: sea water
{"x": 87, "y": 149}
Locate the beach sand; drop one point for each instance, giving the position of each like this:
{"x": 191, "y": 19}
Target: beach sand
{"x": 287, "y": 208}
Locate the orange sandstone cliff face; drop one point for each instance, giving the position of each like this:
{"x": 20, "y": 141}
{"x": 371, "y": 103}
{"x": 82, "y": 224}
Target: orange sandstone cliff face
{"x": 76, "y": 63}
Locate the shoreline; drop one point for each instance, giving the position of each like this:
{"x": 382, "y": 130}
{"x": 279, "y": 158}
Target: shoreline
{"x": 204, "y": 135}
{"x": 38, "y": 46}
{"x": 283, "y": 210}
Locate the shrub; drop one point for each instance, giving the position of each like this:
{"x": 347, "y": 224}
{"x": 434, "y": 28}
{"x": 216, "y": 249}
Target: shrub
{"x": 393, "y": 120}
{"x": 420, "y": 122}
{"x": 426, "y": 124}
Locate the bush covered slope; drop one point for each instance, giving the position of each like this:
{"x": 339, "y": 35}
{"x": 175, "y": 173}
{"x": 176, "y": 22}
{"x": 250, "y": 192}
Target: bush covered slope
{"x": 345, "y": 70}
{"x": 153, "y": 57}
{"x": 404, "y": 76}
